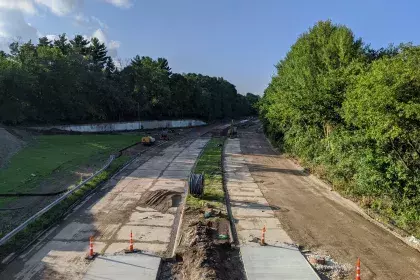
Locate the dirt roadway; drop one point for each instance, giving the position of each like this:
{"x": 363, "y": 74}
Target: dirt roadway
{"x": 319, "y": 219}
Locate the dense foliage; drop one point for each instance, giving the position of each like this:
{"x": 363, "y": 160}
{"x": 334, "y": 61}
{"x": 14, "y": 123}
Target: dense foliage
{"x": 69, "y": 81}
{"x": 353, "y": 115}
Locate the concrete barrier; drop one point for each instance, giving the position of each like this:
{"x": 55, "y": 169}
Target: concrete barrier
{"x": 122, "y": 126}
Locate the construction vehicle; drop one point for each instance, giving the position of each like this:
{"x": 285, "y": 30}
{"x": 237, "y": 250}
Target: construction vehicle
{"x": 232, "y": 132}
{"x": 164, "y": 135}
{"x": 147, "y": 140}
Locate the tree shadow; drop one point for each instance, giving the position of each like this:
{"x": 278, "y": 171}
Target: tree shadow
{"x": 263, "y": 168}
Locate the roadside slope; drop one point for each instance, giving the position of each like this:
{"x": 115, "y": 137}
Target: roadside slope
{"x": 9, "y": 145}
{"x": 321, "y": 220}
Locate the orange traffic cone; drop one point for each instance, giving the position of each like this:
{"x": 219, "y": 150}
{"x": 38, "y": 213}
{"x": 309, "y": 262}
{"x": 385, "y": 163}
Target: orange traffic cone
{"x": 91, "y": 255}
{"x": 131, "y": 242}
{"x": 131, "y": 247}
{"x": 91, "y": 246}
{"x": 358, "y": 269}
{"x": 263, "y": 236}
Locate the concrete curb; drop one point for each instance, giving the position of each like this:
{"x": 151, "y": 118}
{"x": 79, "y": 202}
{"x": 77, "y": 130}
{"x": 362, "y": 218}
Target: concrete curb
{"x": 232, "y": 229}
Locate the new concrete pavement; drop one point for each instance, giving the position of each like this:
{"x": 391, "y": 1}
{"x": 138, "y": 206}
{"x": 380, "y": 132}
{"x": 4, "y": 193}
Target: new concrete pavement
{"x": 110, "y": 218}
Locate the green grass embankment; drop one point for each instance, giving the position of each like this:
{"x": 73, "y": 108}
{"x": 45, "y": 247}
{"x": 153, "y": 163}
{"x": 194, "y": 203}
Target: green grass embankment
{"x": 58, "y": 156}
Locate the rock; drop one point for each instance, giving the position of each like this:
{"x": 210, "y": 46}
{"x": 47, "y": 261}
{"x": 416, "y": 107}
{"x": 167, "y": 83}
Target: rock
{"x": 317, "y": 260}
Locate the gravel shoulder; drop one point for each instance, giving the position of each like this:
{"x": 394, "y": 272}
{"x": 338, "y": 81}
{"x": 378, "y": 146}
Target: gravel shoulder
{"x": 320, "y": 220}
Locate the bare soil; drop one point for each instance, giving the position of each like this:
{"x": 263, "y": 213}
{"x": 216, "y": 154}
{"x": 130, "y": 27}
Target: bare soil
{"x": 161, "y": 200}
{"x": 318, "y": 219}
{"x": 203, "y": 254}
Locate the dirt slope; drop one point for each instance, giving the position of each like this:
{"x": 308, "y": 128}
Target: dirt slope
{"x": 320, "y": 220}
{"x": 9, "y": 145}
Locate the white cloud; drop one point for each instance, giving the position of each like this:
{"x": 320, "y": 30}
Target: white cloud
{"x": 100, "y": 34}
{"x": 52, "y": 37}
{"x": 61, "y": 7}
{"x": 81, "y": 19}
{"x": 112, "y": 45}
{"x": 120, "y": 3}
{"x": 89, "y": 22}
{"x": 99, "y": 22}
{"x": 25, "y": 6}
{"x": 14, "y": 27}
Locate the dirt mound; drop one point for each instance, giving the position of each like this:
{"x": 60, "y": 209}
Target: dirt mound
{"x": 161, "y": 200}
{"x": 208, "y": 256}
{"x": 9, "y": 145}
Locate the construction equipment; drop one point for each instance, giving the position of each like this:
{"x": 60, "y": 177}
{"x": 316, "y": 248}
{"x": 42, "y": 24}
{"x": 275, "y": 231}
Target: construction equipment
{"x": 147, "y": 140}
{"x": 232, "y": 132}
{"x": 164, "y": 135}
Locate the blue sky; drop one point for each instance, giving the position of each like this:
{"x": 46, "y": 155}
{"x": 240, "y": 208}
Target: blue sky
{"x": 240, "y": 40}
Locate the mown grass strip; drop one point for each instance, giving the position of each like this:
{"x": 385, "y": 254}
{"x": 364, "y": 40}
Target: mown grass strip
{"x": 20, "y": 240}
{"x": 58, "y": 155}
{"x": 210, "y": 163}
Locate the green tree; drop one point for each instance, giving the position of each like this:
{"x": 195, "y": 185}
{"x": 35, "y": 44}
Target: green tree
{"x": 98, "y": 53}
{"x": 80, "y": 45}
{"x": 44, "y": 42}
{"x": 62, "y": 44}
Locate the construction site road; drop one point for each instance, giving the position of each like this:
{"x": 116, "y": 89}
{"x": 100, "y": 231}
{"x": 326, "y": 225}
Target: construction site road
{"x": 321, "y": 220}
{"x": 132, "y": 201}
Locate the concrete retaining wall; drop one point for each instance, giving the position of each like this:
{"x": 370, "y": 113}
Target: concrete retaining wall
{"x": 123, "y": 126}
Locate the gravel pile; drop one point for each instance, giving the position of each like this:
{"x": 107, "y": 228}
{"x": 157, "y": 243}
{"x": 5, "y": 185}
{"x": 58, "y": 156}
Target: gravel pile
{"x": 328, "y": 267}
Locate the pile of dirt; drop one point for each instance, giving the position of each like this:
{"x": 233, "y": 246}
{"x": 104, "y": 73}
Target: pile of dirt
{"x": 161, "y": 200}
{"x": 9, "y": 145}
{"x": 208, "y": 256}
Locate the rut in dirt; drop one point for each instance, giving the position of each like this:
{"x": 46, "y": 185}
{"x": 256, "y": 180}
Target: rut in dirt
{"x": 161, "y": 200}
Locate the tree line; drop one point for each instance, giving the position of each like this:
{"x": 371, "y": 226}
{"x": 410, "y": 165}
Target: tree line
{"x": 74, "y": 81}
{"x": 352, "y": 114}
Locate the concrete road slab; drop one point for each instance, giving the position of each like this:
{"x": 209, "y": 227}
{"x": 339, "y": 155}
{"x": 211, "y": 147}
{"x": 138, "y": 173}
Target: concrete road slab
{"x": 184, "y": 160}
{"x": 249, "y": 199}
{"x": 145, "y": 209}
{"x": 273, "y": 237}
{"x": 175, "y": 174}
{"x": 127, "y": 267}
{"x": 249, "y": 185}
{"x": 243, "y": 212}
{"x": 101, "y": 204}
{"x": 147, "y": 173}
{"x": 80, "y": 231}
{"x": 276, "y": 263}
{"x": 138, "y": 185}
{"x": 170, "y": 183}
{"x": 154, "y": 248}
{"x": 58, "y": 260}
{"x": 245, "y": 192}
{"x": 145, "y": 233}
{"x": 180, "y": 166}
{"x": 258, "y": 223}
{"x": 150, "y": 219}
